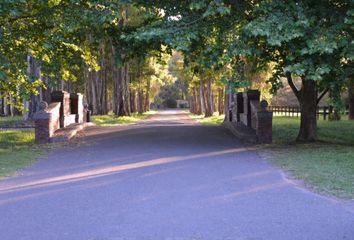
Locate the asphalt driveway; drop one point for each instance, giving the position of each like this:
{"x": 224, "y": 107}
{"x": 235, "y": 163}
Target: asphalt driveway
{"x": 164, "y": 178}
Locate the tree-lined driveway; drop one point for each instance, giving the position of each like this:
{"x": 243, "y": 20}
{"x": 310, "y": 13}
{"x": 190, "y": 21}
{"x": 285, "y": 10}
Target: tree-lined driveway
{"x": 164, "y": 178}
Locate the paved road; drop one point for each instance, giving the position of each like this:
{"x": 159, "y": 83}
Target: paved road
{"x": 166, "y": 178}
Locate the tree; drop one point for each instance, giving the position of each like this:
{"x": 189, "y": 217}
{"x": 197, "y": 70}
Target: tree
{"x": 307, "y": 39}
{"x": 51, "y": 34}
{"x": 351, "y": 98}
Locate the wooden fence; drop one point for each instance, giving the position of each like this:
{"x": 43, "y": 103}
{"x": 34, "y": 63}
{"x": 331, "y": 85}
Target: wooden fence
{"x": 290, "y": 111}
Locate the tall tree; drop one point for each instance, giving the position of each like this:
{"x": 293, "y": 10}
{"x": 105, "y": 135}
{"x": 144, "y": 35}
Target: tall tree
{"x": 307, "y": 39}
{"x": 351, "y": 98}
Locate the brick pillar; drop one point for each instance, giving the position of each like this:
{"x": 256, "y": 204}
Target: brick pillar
{"x": 46, "y": 122}
{"x": 238, "y": 106}
{"x": 264, "y": 123}
{"x": 250, "y": 95}
{"x": 64, "y": 98}
{"x": 77, "y": 106}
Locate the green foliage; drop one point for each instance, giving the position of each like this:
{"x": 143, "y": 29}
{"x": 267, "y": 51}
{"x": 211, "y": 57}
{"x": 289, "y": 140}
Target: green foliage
{"x": 55, "y": 33}
{"x": 171, "y": 91}
{"x": 308, "y": 39}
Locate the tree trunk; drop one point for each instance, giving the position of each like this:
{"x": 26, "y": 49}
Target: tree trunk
{"x": 125, "y": 99}
{"x": 11, "y": 106}
{"x": 334, "y": 114}
{"x": 227, "y": 103}
{"x": 307, "y": 97}
{"x": 140, "y": 101}
{"x": 33, "y": 73}
{"x": 121, "y": 99}
{"x": 147, "y": 96}
{"x": 96, "y": 87}
{"x": 202, "y": 97}
{"x": 121, "y": 96}
{"x": 191, "y": 104}
{"x": 6, "y": 107}
{"x": 207, "y": 99}
{"x": 116, "y": 89}
{"x": 133, "y": 107}
{"x": 351, "y": 99}
{"x": 198, "y": 102}
{"x": 308, "y": 106}
{"x": 220, "y": 101}
{"x": 1, "y": 104}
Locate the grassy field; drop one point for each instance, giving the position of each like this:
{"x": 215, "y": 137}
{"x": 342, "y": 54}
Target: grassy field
{"x": 327, "y": 166}
{"x": 10, "y": 121}
{"x": 17, "y": 150}
{"x": 216, "y": 119}
{"x": 111, "y": 120}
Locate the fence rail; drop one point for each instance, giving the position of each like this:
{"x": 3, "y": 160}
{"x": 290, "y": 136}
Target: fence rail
{"x": 294, "y": 111}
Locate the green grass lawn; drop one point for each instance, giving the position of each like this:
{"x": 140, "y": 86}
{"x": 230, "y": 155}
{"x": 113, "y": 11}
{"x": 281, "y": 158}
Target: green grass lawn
{"x": 216, "y": 119}
{"x": 326, "y": 166}
{"x": 111, "y": 120}
{"x": 17, "y": 150}
{"x": 10, "y": 121}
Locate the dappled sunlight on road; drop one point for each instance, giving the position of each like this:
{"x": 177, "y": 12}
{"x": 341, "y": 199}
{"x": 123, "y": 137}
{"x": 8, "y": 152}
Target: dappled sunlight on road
{"x": 257, "y": 189}
{"x": 114, "y": 169}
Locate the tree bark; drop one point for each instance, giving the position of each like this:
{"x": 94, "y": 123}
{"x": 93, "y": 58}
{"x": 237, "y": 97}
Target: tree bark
{"x": 96, "y": 84}
{"x": 351, "y": 99}
{"x": 307, "y": 97}
{"x": 2, "y": 99}
{"x": 220, "y": 101}
{"x": 208, "y": 99}
{"x": 227, "y": 103}
{"x": 198, "y": 102}
{"x": 133, "y": 105}
{"x": 192, "y": 104}
{"x": 34, "y": 73}
{"x": 6, "y": 108}
{"x": 121, "y": 99}
{"x": 147, "y": 95}
{"x": 121, "y": 96}
{"x": 125, "y": 98}
{"x": 202, "y": 97}
{"x": 334, "y": 114}
{"x": 140, "y": 101}
{"x": 116, "y": 89}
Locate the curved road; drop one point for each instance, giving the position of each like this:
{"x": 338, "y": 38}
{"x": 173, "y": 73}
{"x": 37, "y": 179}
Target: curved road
{"x": 164, "y": 178}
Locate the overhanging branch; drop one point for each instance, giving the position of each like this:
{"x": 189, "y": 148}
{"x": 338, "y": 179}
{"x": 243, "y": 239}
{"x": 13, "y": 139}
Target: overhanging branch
{"x": 292, "y": 85}
{"x": 322, "y": 95}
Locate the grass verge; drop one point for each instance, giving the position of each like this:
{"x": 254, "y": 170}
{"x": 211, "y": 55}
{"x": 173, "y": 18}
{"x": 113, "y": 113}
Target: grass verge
{"x": 10, "y": 121}
{"x": 17, "y": 150}
{"x": 327, "y": 166}
{"x": 216, "y": 119}
{"x": 111, "y": 119}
